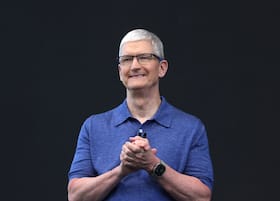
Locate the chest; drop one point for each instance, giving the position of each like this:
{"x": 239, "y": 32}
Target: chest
{"x": 105, "y": 147}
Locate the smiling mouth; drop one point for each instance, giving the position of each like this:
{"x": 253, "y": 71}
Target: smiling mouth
{"x": 140, "y": 75}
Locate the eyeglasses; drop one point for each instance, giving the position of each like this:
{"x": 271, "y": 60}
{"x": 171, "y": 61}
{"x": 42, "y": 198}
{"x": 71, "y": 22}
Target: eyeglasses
{"x": 142, "y": 59}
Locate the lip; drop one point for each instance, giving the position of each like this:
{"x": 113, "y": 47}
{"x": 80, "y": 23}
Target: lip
{"x": 136, "y": 75}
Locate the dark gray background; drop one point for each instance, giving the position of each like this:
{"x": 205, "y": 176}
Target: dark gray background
{"x": 58, "y": 67}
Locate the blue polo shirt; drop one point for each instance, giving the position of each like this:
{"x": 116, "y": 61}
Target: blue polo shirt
{"x": 179, "y": 137}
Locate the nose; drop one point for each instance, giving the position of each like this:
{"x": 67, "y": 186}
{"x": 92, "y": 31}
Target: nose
{"x": 135, "y": 63}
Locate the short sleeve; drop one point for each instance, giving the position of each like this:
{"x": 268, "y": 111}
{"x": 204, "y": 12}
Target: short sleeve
{"x": 81, "y": 165}
{"x": 199, "y": 163}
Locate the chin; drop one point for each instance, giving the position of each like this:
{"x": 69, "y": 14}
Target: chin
{"x": 135, "y": 87}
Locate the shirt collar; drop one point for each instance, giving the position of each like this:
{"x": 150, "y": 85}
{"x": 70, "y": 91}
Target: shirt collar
{"x": 121, "y": 114}
{"x": 162, "y": 116}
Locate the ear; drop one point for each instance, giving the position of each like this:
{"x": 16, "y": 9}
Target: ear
{"x": 163, "y": 68}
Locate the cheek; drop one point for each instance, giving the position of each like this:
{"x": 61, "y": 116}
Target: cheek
{"x": 122, "y": 75}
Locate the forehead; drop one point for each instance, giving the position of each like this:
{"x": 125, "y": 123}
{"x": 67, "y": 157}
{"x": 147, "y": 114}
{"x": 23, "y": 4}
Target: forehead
{"x": 137, "y": 47}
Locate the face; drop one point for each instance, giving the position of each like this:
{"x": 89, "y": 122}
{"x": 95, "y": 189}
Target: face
{"x": 141, "y": 76}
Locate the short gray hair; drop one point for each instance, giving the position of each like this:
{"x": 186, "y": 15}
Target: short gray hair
{"x": 142, "y": 34}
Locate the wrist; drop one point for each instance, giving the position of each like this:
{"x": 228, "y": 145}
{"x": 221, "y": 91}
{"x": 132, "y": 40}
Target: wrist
{"x": 158, "y": 169}
{"x": 152, "y": 165}
{"x": 121, "y": 171}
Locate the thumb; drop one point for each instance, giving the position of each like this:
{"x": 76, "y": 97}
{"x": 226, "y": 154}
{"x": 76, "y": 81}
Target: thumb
{"x": 154, "y": 151}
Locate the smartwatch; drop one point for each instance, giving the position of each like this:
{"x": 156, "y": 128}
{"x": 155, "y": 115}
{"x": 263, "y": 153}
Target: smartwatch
{"x": 159, "y": 169}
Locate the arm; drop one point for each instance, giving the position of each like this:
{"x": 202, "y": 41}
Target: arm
{"x": 84, "y": 182}
{"x": 98, "y": 187}
{"x": 179, "y": 186}
{"x": 183, "y": 187}
{"x": 94, "y": 188}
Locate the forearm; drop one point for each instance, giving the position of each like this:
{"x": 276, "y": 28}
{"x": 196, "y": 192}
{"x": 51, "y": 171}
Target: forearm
{"x": 93, "y": 188}
{"x": 183, "y": 187}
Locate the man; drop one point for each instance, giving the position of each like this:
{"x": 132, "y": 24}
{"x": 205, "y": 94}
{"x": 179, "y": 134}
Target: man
{"x": 145, "y": 149}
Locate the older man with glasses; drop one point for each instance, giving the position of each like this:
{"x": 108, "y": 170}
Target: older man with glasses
{"x": 145, "y": 148}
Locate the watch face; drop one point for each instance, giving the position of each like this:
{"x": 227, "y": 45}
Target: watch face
{"x": 160, "y": 169}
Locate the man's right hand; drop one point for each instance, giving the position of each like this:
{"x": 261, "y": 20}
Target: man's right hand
{"x": 137, "y": 154}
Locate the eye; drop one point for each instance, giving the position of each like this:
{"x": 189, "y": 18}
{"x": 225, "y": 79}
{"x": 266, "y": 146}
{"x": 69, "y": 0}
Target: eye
{"x": 144, "y": 57}
{"x": 126, "y": 59}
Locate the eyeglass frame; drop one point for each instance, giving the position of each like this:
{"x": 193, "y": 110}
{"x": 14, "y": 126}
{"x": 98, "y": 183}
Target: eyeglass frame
{"x": 138, "y": 57}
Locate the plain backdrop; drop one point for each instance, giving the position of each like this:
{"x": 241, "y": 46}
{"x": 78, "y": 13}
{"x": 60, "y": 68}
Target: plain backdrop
{"x": 58, "y": 66}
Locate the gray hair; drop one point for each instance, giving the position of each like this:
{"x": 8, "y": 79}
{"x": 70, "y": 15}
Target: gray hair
{"x": 142, "y": 34}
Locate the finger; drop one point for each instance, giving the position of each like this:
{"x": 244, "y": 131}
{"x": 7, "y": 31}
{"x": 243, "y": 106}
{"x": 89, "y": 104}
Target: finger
{"x": 141, "y": 142}
{"x": 140, "y": 156}
{"x": 127, "y": 153}
{"x": 154, "y": 150}
{"x": 135, "y": 138}
{"x": 126, "y": 159}
{"x": 134, "y": 147}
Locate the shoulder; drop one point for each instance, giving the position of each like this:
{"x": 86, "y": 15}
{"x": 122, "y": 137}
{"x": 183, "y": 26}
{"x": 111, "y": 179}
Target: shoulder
{"x": 182, "y": 114}
{"x": 182, "y": 119}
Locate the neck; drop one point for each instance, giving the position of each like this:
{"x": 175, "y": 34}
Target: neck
{"x": 143, "y": 106}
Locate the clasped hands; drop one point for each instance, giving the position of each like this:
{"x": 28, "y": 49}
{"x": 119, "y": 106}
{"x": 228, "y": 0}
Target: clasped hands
{"x": 137, "y": 154}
